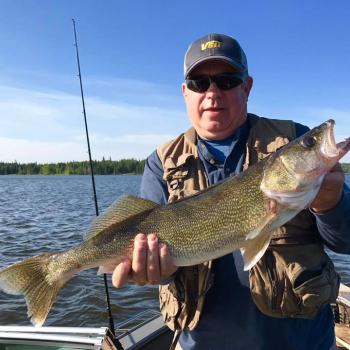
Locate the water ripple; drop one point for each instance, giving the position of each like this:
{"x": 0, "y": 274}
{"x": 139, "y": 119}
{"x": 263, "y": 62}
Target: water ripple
{"x": 52, "y": 213}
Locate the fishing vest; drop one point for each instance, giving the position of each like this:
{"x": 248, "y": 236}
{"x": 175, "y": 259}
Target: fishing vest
{"x": 294, "y": 278}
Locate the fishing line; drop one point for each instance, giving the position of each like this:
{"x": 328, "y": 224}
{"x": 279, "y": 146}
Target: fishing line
{"x": 109, "y": 310}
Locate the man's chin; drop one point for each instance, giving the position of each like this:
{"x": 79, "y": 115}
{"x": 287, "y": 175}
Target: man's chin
{"x": 215, "y": 133}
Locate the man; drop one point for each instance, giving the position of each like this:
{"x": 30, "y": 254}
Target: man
{"x": 223, "y": 314}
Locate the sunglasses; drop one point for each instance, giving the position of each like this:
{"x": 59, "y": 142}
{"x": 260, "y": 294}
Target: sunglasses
{"x": 224, "y": 81}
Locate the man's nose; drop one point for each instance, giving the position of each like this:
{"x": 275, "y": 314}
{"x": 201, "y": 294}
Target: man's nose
{"x": 213, "y": 88}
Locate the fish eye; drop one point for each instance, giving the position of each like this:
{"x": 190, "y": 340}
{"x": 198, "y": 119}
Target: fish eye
{"x": 308, "y": 141}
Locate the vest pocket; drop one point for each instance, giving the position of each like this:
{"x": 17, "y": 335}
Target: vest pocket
{"x": 293, "y": 281}
{"x": 169, "y": 305}
{"x": 178, "y": 173}
{"x": 316, "y": 287}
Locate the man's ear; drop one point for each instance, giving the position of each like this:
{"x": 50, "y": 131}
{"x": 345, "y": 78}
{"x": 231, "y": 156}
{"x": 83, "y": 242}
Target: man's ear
{"x": 247, "y": 86}
{"x": 183, "y": 88}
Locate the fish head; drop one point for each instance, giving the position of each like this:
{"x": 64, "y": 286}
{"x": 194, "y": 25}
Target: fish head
{"x": 296, "y": 171}
{"x": 314, "y": 153}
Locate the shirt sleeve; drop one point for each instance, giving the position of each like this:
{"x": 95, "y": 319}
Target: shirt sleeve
{"x": 153, "y": 187}
{"x": 300, "y": 129}
{"x": 334, "y": 225}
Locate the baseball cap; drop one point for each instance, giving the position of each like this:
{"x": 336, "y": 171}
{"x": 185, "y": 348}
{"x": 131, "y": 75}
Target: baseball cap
{"x": 215, "y": 47}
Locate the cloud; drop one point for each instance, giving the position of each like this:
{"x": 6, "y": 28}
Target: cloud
{"x": 25, "y": 151}
{"x": 136, "y": 139}
{"x": 34, "y": 114}
{"x": 37, "y": 125}
{"x": 137, "y": 146}
{"x": 126, "y": 118}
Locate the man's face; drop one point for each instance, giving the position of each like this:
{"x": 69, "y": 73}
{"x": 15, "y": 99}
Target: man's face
{"x": 215, "y": 113}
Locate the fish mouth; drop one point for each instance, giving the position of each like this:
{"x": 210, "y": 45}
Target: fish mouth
{"x": 330, "y": 148}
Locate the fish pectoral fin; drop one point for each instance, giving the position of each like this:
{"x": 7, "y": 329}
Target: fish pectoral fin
{"x": 105, "y": 269}
{"x": 255, "y": 248}
{"x": 257, "y": 241}
{"x": 109, "y": 266}
{"x": 264, "y": 222}
{"x": 122, "y": 209}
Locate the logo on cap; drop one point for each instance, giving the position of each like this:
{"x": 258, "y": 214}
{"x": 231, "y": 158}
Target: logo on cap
{"x": 211, "y": 45}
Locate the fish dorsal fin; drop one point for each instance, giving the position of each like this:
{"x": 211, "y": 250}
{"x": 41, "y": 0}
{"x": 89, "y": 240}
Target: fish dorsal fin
{"x": 122, "y": 209}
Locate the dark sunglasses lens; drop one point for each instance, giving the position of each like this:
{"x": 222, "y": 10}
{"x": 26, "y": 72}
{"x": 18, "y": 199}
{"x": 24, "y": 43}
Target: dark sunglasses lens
{"x": 227, "y": 82}
{"x": 223, "y": 81}
{"x": 198, "y": 84}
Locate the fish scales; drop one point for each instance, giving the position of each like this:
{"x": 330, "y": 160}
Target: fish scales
{"x": 238, "y": 213}
{"x": 212, "y": 216}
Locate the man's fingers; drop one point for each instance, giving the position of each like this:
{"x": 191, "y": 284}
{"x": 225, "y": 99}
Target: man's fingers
{"x": 167, "y": 266}
{"x": 151, "y": 262}
{"x": 330, "y": 192}
{"x": 333, "y": 180}
{"x": 139, "y": 259}
{"x": 153, "y": 270}
{"x": 121, "y": 273}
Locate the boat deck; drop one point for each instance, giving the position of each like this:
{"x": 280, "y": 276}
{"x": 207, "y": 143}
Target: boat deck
{"x": 342, "y": 333}
{"x": 342, "y": 318}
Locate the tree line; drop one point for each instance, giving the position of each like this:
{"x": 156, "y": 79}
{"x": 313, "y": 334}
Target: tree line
{"x": 100, "y": 167}
{"x": 346, "y": 167}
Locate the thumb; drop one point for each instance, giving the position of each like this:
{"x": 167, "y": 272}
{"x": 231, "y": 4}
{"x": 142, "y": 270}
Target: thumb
{"x": 121, "y": 273}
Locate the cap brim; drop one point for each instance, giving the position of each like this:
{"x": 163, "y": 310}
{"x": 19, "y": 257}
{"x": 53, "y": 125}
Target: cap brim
{"x": 216, "y": 58}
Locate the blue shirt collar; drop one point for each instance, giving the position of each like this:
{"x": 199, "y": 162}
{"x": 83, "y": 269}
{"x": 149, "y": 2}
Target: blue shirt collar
{"x": 216, "y": 152}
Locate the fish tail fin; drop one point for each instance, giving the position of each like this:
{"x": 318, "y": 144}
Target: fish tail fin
{"x": 32, "y": 279}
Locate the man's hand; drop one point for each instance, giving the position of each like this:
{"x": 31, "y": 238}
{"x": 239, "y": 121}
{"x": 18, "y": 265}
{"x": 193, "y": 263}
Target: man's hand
{"x": 330, "y": 192}
{"x": 151, "y": 263}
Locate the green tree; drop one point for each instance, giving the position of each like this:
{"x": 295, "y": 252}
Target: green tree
{"x": 103, "y": 167}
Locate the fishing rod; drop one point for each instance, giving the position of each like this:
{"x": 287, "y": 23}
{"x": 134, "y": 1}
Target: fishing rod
{"x": 109, "y": 309}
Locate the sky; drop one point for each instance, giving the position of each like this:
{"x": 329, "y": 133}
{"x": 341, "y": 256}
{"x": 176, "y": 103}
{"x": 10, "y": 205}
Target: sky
{"x": 131, "y": 55}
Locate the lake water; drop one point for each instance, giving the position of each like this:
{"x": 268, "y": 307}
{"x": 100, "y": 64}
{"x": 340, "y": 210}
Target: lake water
{"x": 51, "y": 213}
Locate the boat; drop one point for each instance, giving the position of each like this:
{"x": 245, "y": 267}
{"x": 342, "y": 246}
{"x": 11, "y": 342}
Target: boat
{"x": 341, "y": 312}
{"x": 145, "y": 331}
{"x": 148, "y": 333}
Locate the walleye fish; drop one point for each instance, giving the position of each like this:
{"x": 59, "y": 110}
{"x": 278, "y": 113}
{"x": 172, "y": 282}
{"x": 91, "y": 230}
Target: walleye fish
{"x": 240, "y": 212}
